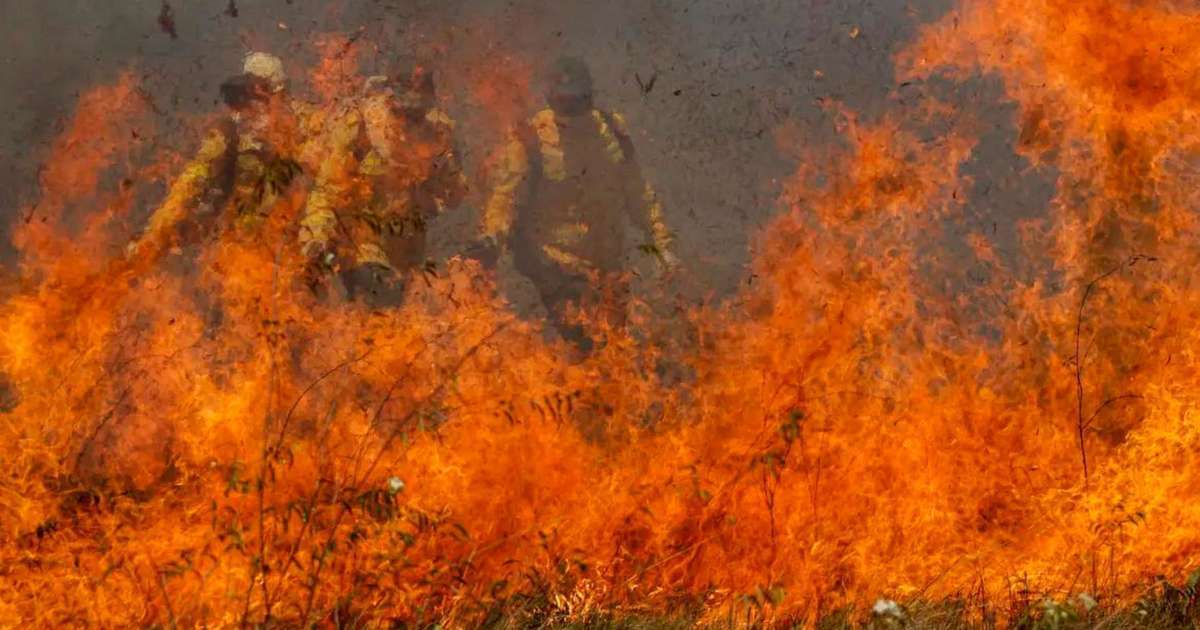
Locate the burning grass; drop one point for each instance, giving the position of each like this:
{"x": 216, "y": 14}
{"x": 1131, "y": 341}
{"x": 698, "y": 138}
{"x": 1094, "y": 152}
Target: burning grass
{"x": 207, "y": 444}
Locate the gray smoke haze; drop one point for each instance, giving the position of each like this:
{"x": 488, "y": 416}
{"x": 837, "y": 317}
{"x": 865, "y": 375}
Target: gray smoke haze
{"x": 727, "y": 74}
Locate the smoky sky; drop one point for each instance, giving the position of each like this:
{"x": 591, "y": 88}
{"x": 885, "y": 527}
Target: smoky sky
{"x": 727, "y": 75}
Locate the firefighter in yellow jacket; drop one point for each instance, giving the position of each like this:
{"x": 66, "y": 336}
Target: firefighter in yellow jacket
{"x": 562, "y": 191}
{"x": 390, "y": 168}
{"x": 244, "y": 164}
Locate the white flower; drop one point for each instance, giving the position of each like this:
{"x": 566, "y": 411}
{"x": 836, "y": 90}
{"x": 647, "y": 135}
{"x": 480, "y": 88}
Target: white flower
{"x": 395, "y": 485}
{"x": 887, "y": 608}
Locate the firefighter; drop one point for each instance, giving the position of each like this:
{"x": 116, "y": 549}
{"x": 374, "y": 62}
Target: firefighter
{"x": 562, "y": 190}
{"x": 246, "y": 162}
{"x": 396, "y": 169}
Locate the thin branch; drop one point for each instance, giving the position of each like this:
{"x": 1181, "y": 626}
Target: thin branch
{"x": 1114, "y": 399}
{"x": 1081, "y": 424}
{"x": 400, "y": 426}
{"x": 308, "y": 521}
{"x": 264, "y": 463}
{"x": 162, "y": 587}
{"x": 86, "y": 446}
{"x": 296, "y": 403}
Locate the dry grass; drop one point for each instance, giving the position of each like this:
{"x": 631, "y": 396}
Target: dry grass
{"x": 1166, "y": 606}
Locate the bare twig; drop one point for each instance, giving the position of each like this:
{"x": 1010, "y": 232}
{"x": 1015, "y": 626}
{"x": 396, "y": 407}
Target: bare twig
{"x": 296, "y": 403}
{"x": 259, "y": 564}
{"x": 100, "y": 426}
{"x": 1081, "y": 422}
{"x": 400, "y": 426}
{"x": 1103, "y": 405}
{"x": 308, "y": 521}
{"x": 162, "y": 587}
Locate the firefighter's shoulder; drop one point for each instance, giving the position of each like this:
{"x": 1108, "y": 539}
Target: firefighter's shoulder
{"x": 545, "y": 117}
{"x": 544, "y": 125}
{"x": 345, "y": 123}
{"x": 619, "y": 123}
{"x": 214, "y": 143}
{"x": 310, "y": 118}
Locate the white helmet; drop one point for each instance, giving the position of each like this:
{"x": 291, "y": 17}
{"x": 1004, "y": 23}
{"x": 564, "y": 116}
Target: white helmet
{"x": 376, "y": 84}
{"x": 268, "y": 67}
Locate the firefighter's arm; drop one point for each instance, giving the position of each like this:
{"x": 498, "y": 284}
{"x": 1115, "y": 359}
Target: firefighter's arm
{"x": 653, "y": 223}
{"x": 644, "y": 205}
{"x": 319, "y": 223}
{"x": 198, "y": 176}
{"x": 449, "y": 182}
{"x": 506, "y": 183}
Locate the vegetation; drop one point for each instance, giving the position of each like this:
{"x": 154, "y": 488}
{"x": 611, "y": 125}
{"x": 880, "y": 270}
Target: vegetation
{"x": 1164, "y": 606}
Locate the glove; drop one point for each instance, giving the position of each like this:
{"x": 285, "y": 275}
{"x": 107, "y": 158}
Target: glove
{"x": 319, "y": 266}
{"x": 668, "y": 262}
{"x": 486, "y": 250}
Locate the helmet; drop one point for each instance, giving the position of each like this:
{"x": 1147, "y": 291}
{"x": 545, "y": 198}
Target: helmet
{"x": 376, "y": 84}
{"x": 267, "y": 67}
{"x": 413, "y": 85}
{"x": 569, "y": 85}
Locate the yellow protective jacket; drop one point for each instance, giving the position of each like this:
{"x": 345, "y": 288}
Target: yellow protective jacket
{"x": 336, "y": 184}
{"x": 562, "y": 189}
{"x": 237, "y": 165}
{"x": 204, "y": 179}
{"x": 381, "y": 180}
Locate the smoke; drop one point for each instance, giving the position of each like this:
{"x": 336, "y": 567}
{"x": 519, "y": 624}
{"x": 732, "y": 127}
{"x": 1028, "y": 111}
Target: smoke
{"x": 725, "y": 79}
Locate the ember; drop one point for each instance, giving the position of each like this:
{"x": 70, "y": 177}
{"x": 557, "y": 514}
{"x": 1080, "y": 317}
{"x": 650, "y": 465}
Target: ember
{"x": 237, "y": 387}
{"x": 166, "y": 20}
